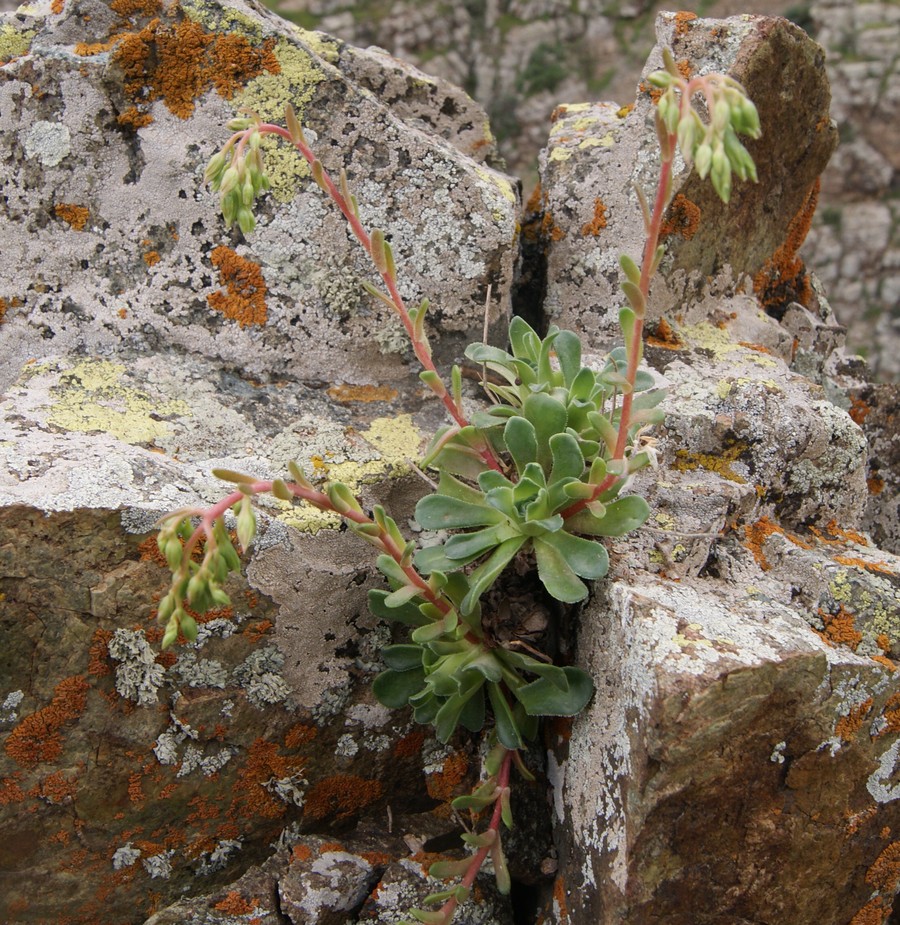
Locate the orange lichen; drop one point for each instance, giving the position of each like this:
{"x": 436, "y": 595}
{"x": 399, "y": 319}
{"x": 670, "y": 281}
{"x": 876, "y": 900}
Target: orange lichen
{"x": 151, "y": 258}
{"x": 10, "y": 791}
{"x": 129, "y": 8}
{"x": 759, "y": 532}
{"x": 98, "y": 665}
{"x": 301, "y": 853}
{"x": 245, "y": 298}
{"x": 682, "y": 19}
{"x": 682, "y": 217}
{"x": 362, "y": 393}
{"x": 885, "y": 662}
{"x": 376, "y": 858}
{"x": 264, "y": 762}
{"x": 837, "y": 536}
{"x": 178, "y": 62}
{"x": 133, "y": 118}
{"x": 598, "y": 222}
{"x": 664, "y": 336}
{"x": 444, "y": 784}
{"x": 256, "y": 631}
{"x": 299, "y": 735}
{"x": 37, "y": 737}
{"x": 892, "y": 714}
{"x": 410, "y": 745}
{"x": 235, "y": 904}
{"x": 847, "y": 726}
{"x": 327, "y": 846}
{"x": 855, "y": 562}
{"x": 559, "y": 898}
{"x": 57, "y": 6}
{"x": 75, "y": 216}
{"x": 884, "y": 874}
{"x": 341, "y": 796}
{"x": 874, "y": 912}
{"x": 841, "y": 628}
{"x": 550, "y": 230}
{"x": 883, "y": 641}
{"x": 859, "y": 410}
{"x": 783, "y": 278}
{"x": 873, "y": 483}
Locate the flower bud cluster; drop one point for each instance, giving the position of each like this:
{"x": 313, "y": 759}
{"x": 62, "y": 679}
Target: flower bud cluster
{"x": 238, "y": 174}
{"x": 197, "y": 585}
{"x": 713, "y": 147}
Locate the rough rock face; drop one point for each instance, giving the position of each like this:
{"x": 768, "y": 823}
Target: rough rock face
{"x": 739, "y": 761}
{"x": 142, "y": 345}
{"x": 584, "y": 224}
{"x": 102, "y": 180}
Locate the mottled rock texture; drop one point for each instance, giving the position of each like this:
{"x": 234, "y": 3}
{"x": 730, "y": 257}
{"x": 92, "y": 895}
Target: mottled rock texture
{"x": 739, "y": 762}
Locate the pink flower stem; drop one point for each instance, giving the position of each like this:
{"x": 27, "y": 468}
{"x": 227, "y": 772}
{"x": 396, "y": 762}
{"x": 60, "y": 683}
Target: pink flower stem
{"x": 420, "y": 346}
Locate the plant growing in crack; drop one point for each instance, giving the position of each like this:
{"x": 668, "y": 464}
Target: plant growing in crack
{"x": 540, "y": 475}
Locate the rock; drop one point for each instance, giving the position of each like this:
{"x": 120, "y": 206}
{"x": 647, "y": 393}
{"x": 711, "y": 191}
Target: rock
{"x": 141, "y": 347}
{"x": 597, "y": 153}
{"x": 103, "y": 189}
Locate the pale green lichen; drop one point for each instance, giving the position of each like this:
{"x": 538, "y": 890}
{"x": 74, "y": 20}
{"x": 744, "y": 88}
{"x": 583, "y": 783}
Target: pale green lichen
{"x": 223, "y": 19}
{"x": 324, "y": 45}
{"x": 560, "y": 154}
{"x": 268, "y": 95}
{"x": 90, "y": 398}
{"x": 396, "y": 440}
{"x": 607, "y": 141}
{"x": 14, "y": 42}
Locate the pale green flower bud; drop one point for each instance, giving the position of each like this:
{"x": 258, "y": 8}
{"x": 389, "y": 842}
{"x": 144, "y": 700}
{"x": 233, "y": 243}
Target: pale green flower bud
{"x": 229, "y": 208}
{"x": 720, "y": 173}
{"x": 246, "y": 222}
{"x": 173, "y": 552}
{"x": 229, "y": 180}
{"x": 687, "y": 135}
{"x": 721, "y": 115}
{"x": 189, "y": 627}
{"x": 215, "y": 168}
{"x": 240, "y": 124}
{"x": 703, "y": 160}
{"x": 661, "y": 79}
{"x": 247, "y": 191}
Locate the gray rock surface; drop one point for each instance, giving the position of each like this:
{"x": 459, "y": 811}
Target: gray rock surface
{"x": 739, "y": 760}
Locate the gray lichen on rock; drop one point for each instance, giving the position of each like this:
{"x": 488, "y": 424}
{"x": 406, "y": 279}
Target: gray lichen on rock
{"x": 138, "y": 675}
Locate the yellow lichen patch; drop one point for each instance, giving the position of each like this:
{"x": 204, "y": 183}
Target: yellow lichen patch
{"x": 783, "y": 278}
{"x": 504, "y": 186}
{"x": 682, "y": 218}
{"x": 397, "y": 441}
{"x": 560, "y": 154}
{"x": 322, "y": 44}
{"x": 720, "y": 463}
{"x": 90, "y": 398}
{"x": 364, "y": 393}
{"x": 74, "y": 216}
{"x": 244, "y": 300}
{"x": 598, "y": 222}
{"x": 295, "y": 82}
{"x": 14, "y": 42}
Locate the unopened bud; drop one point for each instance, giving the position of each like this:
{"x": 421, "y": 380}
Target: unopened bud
{"x": 229, "y": 180}
{"x": 246, "y": 220}
{"x": 703, "y": 160}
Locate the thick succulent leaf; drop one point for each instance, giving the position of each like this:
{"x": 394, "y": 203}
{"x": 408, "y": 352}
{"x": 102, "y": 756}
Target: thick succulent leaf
{"x": 643, "y": 381}
{"x": 402, "y": 657}
{"x": 535, "y": 474}
{"x": 492, "y": 479}
{"x": 485, "y": 353}
{"x": 435, "y": 630}
{"x": 521, "y": 441}
{"x": 402, "y": 596}
{"x": 568, "y": 351}
{"x": 467, "y": 547}
{"x": 586, "y": 558}
{"x": 488, "y": 572}
{"x": 505, "y": 724}
{"x": 556, "y": 575}
{"x": 394, "y": 688}
{"x": 486, "y": 665}
{"x": 494, "y": 417}
{"x": 452, "y": 487}
{"x": 435, "y": 559}
{"x": 549, "y": 417}
{"x": 547, "y": 375}
{"x": 440, "y": 512}
{"x": 582, "y": 386}
{"x": 622, "y": 516}
{"x": 502, "y": 500}
{"x": 450, "y": 713}
{"x": 649, "y": 399}
{"x": 523, "y": 339}
{"x": 473, "y": 714}
{"x": 408, "y": 613}
{"x": 543, "y": 698}
{"x": 567, "y": 459}
{"x": 425, "y": 707}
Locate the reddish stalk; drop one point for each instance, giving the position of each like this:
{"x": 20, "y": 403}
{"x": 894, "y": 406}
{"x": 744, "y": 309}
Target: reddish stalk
{"x": 478, "y": 858}
{"x": 420, "y": 347}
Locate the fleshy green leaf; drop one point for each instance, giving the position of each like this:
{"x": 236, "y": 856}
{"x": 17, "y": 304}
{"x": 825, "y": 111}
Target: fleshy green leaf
{"x": 549, "y": 417}
{"x": 521, "y": 441}
{"x": 507, "y": 731}
{"x": 586, "y": 558}
{"x": 439, "y": 512}
{"x": 394, "y": 688}
{"x": 408, "y": 613}
{"x": 567, "y": 459}
{"x": 568, "y": 351}
{"x": 466, "y": 547}
{"x": 402, "y": 657}
{"x": 622, "y": 516}
{"x": 543, "y": 698}
{"x": 488, "y": 572}
{"x": 556, "y": 575}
